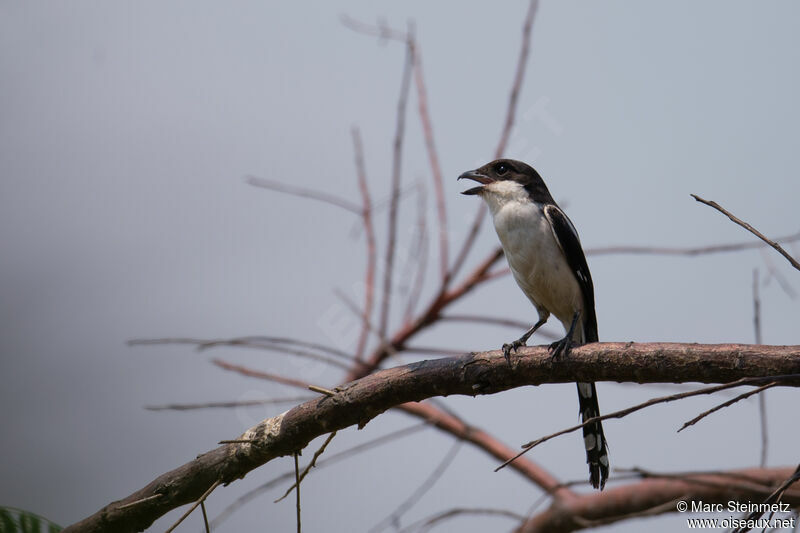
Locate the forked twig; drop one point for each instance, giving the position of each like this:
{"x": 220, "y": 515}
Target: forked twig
{"x": 727, "y": 403}
{"x": 654, "y": 401}
{"x": 331, "y": 459}
{"x": 200, "y": 500}
{"x": 772, "y": 498}
{"x": 309, "y": 466}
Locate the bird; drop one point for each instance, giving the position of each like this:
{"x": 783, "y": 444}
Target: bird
{"x": 545, "y": 256}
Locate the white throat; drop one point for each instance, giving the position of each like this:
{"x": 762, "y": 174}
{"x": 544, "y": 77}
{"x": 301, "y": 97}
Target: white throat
{"x": 500, "y": 194}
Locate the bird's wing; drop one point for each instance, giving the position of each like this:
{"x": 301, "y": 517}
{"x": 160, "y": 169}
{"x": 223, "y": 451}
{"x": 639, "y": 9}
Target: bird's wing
{"x": 570, "y": 244}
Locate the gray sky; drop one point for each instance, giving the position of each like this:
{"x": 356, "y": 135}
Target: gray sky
{"x": 124, "y": 138}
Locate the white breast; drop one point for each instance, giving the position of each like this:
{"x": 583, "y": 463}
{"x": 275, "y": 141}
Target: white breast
{"x": 536, "y": 259}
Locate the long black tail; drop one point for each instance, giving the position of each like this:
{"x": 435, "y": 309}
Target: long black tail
{"x": 593, "y": 438}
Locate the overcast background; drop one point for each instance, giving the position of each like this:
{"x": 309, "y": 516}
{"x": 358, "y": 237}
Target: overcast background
{"x": 126, "y": 131}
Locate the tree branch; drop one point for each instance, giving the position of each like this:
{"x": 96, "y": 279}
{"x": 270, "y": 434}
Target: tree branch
{"x": 643, "y": 497}
{"x": 357, "y": 402}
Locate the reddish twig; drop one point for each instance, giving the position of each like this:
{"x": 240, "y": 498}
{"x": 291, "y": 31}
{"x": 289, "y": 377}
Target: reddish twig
{"x": 519, "y": 76}
{"x": 427, "y": 317}
{"x": 749, "y": 228}
{"x": 419, "y": 251}
{"x": 397, "y": 157}
{"x": 772, "y": 498}
{"x": 522, "y": 62}
{"x": 325, "y": 197}
{"x": 243, "y": 370}
{"x": 369, "y": 230}
{"x": 433, "y": 158}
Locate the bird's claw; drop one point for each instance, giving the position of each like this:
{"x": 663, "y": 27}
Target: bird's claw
{"x": 560, "y": 347}
{"x": 511, "y": 346}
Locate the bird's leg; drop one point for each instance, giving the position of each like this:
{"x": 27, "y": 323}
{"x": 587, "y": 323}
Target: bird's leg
{"x": 565, "y": 345}
{"x": 522, "y": 340}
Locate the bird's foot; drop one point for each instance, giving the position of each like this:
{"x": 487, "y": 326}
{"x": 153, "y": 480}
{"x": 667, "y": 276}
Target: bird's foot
{"x": 561, "y": 347}
{"x": 512, "y": 346}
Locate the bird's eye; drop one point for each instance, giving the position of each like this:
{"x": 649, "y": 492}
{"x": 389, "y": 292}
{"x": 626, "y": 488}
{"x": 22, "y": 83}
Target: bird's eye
{"x": 501, "y": 168}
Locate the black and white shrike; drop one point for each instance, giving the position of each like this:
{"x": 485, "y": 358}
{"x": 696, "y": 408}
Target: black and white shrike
{"x": 545, "y": 256}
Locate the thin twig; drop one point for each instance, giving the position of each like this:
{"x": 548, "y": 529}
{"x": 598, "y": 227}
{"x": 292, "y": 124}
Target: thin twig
{"x": 397, "y": 160}
{"x": 417, "y": 257}
{"x": 369, "y": 231}
{"x": 727, "y": 403}
{"x": 382, "y": 31}
{"x": 321, "y": 390}
{"x": 200, "y": 500}
{"x": 772, "y": 498}
{"x": 762, "y": 398}
{"x": 690, "y": 251}
{"x": 137, "y": 502}
{"x": 226, "y": 405}
{"x": 654, "y": 401}
{"x": 205, "y": 516}
{"x": 433, "y": 158}
{"x": 522, "y": 62}
{"x": 749, "y": 228}
{"x": 302, "y": 192}
{"x": 385, "y": 343}
{"x": 297, "y": 490}
{"x": 263, "y": 342}
{"x": 497, "y": 321}
{"x": 259, "y": 374}
{"x": 504, "y": 135}
{"x": 309, "y": 466}
{"x": 441, "y": 468}
{"x": 777, "y": 274}
{"x": 427, "y": 523}
{"x": 652, "y": 511}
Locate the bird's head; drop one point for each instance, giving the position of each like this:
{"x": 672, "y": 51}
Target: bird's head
{"x": 505, "y": 175}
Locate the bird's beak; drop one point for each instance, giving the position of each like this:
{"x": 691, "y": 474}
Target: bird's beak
{"x": 475, "y": 176}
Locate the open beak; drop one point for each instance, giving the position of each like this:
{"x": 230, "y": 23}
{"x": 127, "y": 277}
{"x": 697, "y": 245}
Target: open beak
{"x": 475, "y": 176}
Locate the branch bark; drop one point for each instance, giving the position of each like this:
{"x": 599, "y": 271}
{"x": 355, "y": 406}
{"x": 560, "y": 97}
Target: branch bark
{"x": 655, "y": 496}
{"x": 357, "y": 402}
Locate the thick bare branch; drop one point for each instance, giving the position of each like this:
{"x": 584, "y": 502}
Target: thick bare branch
{"x": 358, "y": 402}
{"x": 642, "y": 498}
